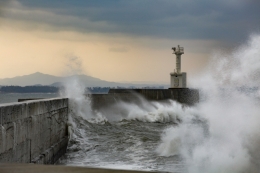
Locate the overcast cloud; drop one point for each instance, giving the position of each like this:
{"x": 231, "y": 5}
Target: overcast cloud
{"x": 231, "y": 20}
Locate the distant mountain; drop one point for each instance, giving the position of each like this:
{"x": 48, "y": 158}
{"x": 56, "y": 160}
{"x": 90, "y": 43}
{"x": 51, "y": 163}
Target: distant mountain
{"x": 39, "y": 79}
{"x": 32, "y": 79}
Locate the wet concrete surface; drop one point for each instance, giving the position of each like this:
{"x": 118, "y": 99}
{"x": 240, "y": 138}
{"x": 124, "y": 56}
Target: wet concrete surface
{"x": 36, "y": 168}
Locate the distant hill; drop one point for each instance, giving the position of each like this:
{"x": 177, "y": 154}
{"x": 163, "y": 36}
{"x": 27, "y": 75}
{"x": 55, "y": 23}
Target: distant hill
{"x": 38, "y": 79}
{"x": 32, "y": 79}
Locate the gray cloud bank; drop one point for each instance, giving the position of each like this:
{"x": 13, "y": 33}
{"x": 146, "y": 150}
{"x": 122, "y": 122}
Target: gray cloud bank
{"x": 3, "y": 5}
{"x": 231, "y": 20}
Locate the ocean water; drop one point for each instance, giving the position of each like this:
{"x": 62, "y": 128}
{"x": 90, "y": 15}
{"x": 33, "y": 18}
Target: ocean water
{"x": 124, "y": 141}
{"x": 120, "y": 145}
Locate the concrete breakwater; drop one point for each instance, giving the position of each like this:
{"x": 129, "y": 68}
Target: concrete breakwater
{"x": 182, "y": 95}
{"x": 185, "y": 96}
{"x": 34, "y": 131}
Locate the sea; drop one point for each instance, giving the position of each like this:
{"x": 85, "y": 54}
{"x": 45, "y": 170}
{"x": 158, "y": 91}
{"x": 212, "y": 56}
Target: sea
{"x": 218, "y": 134}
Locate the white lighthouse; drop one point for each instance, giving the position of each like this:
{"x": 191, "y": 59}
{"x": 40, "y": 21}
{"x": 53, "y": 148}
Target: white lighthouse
{"x": 178, "y": 79}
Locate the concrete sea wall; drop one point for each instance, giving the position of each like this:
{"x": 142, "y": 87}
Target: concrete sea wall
{"x": 182, "y": 95}
{"x": 33, "y": 131}
{"x": 185, "y": 96}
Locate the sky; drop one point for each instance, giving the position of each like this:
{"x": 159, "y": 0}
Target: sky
{"x": 120, "y": 40}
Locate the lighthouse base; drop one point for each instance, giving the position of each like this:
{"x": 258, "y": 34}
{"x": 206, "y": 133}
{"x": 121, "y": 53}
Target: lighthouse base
{"x": 178, "y": 80}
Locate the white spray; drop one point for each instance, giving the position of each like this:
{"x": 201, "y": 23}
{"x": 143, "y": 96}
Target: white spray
{"x": 228, "y": 139}
{"x": 146, "y": 111}
{"x": 80, "y": 101}
{"x": 76, "y": 91}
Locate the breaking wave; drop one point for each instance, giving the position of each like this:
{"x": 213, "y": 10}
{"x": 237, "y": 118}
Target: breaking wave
{"x": 226, "y": 137}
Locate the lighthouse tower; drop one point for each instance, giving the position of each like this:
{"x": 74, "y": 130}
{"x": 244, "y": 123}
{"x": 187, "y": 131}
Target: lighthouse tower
{"x": 178, "y": 79}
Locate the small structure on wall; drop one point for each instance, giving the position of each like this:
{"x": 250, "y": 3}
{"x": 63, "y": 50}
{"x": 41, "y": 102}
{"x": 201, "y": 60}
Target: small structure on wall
{"x": 178, "y": 78}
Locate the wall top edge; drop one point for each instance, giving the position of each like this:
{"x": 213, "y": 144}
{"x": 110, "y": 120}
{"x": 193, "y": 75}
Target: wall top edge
{"x": 31, "y": 101}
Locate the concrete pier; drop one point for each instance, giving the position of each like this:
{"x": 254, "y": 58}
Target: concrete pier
{"x": 184, "y": 96}
{"x": 33, "y": 131}
{"x": 31, "y": 168}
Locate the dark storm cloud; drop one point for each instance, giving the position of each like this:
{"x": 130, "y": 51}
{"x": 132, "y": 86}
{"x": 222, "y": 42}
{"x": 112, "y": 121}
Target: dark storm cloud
{"x": 3, "y": 5}
{"x": 181, "y": 19}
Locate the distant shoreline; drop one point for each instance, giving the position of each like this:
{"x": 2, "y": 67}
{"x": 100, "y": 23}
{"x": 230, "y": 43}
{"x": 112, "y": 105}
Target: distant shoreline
{"x": 29, "y": 89}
